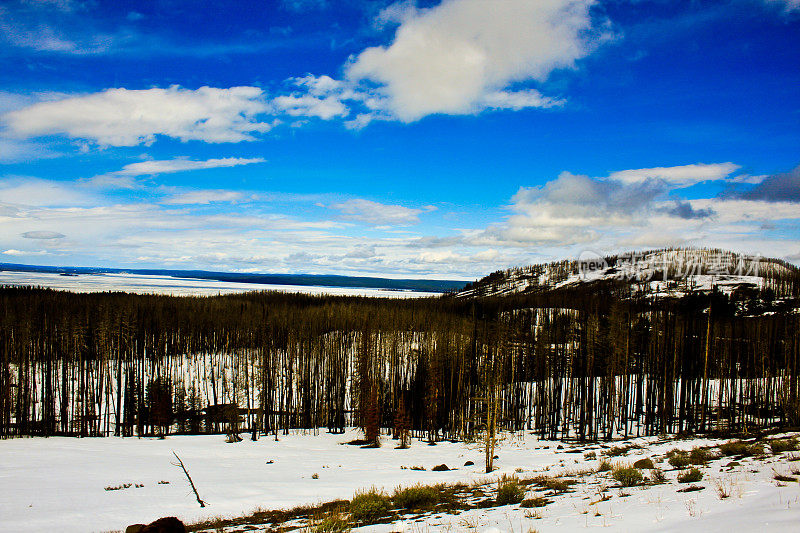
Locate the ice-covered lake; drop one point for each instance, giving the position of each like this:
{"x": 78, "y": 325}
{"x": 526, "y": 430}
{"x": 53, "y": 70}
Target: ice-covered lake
{"x": 151, "y": 284}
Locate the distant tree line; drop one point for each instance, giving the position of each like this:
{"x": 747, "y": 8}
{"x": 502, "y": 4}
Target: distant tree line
{"x": 587, "y": 362}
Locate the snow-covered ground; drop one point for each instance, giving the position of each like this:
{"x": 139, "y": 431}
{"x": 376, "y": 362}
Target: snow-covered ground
{"x": 145, "y": 284}
{"x": 58, "y": 484}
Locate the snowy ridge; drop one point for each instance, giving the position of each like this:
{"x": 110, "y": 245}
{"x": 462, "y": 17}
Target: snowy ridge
{"x": 666, "y": 272}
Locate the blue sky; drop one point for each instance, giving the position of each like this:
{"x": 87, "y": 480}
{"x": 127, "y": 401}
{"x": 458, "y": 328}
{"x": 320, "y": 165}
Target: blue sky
{"x": 396, "y": 139}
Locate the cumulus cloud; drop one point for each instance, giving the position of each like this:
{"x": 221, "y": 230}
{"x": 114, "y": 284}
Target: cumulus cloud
{"x": 122, "y": 117}
{"x": 376, "y": 213}
{"x": 784, "y": 187}
{"x": 459, "y": 57}
{"x": 621, "y": 207}
{"x": 575, "y": 200}
{"x": 46, "y": 235}
{"x": 325, "y": 98}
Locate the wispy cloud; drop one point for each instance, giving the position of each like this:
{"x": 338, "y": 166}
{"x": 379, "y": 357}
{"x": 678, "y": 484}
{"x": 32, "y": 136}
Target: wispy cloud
{"x": 679, "y": 176}
{"x": 125, "y": 177}
{"x": 27, "y": 191}
{"x": 787, "y": 5}
{"x": 181, "y": 164}
{"x": 203, "y": 197}
{"x": 376, "y": 213}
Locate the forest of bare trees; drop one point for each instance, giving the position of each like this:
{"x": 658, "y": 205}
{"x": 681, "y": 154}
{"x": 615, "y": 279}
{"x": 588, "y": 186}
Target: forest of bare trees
{"x": 584, "y": 363}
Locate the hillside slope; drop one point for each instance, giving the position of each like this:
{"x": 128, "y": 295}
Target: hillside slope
{"x": 663, "y": 273}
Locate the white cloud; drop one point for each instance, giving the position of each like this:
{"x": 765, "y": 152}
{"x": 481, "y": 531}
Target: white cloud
{"x": 376, "y": 213}
{"x": 361, "y": 252}
{"x": 125, "y": 177}
{"x": 454, "y": 57}
{"x": 38, "y": 192}
{"x": 15, "y": 252}
{"x": 747, "y": 211}
{"x": 517, "y": 100}
{"x": 13, "y": 151}
{"x": 204, "y": 197}
{"x": 680, "y": 176}
{"x": 311, "y": 106}
{"x": 628, "y": 206}
{"x": 47, "y": 39}
{"x": 112, "y": 181}
{"x": 143, "y": 168}
{"x": 321, "y": 86}
{"x": 122, "y": 117}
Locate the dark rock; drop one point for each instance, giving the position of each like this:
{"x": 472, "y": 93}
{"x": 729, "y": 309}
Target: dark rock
{"x": 469, "y": 463}
{"x": 168, "y": 524}
{"x": 440, "y": 468}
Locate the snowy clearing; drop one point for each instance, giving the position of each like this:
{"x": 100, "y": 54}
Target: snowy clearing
{"x": 144, "y": 284}
{"x": 70, "y": 484}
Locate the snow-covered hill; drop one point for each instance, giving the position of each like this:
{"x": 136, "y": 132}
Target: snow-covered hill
{"x": 666, "y": 272}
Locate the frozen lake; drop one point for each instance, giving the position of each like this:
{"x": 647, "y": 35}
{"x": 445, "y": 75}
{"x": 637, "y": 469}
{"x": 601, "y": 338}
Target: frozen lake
{"x": 151, "y": 284}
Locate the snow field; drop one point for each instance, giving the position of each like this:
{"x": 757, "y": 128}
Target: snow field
{"x": 58, "y": 484}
